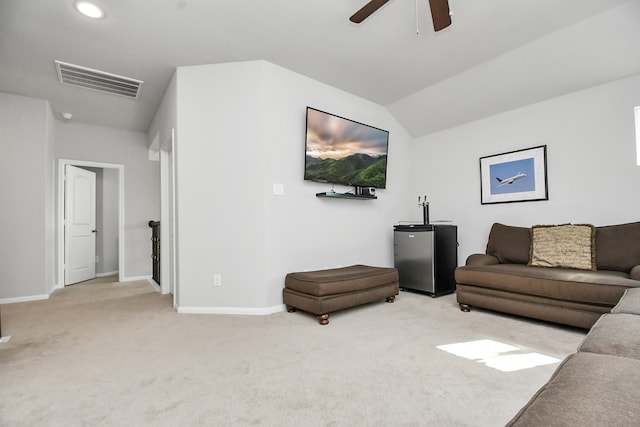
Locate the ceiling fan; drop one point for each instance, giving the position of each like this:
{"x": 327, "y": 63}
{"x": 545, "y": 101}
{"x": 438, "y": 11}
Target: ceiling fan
{"x": 439, "y": 12}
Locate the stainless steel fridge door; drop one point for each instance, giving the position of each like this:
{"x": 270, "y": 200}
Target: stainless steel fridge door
{"x": 414, "y": 259}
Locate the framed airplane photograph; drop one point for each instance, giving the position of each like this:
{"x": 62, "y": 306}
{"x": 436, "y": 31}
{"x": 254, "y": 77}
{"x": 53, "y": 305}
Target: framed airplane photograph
{"x": 516, "y": 176}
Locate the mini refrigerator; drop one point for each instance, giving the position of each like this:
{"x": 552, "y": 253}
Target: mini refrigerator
{"x": 426, "y": 257}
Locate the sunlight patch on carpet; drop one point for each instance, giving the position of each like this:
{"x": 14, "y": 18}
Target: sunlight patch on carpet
{"x": 491, "y": 353}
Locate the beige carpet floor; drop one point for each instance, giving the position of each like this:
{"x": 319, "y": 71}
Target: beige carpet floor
{"x": 111, "y": 354}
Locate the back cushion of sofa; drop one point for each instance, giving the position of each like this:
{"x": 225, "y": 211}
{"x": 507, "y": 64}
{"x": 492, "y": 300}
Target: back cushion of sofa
{"x": 509, "y": 244}
{"x": 618, "y": 247}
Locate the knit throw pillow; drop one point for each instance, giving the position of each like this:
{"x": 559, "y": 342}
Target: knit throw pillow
{"x": 567, "y": 246}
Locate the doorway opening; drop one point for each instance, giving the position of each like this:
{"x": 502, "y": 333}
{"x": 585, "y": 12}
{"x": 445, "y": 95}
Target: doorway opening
{"x": 116, "y": 169}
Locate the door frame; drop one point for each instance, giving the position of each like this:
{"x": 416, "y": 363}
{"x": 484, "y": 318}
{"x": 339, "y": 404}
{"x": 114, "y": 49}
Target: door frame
{"x": 62, "y": 163}
{"x": 168, "y": 276}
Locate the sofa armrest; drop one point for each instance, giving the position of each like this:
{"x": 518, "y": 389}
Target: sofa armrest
{"x": 635, "y": 273}
{"x": 478, "y": 260}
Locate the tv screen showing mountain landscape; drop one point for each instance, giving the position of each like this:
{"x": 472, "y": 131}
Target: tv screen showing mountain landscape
{"x": 342, "y": 151}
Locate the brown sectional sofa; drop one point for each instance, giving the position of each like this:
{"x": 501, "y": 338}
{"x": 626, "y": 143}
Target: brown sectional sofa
{"x": 597, "y": 385}
{"x": 502, "y": 279}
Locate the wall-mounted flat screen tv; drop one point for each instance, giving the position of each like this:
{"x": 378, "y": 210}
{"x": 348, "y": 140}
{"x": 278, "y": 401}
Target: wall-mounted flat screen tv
{"x": 343, "y": 151}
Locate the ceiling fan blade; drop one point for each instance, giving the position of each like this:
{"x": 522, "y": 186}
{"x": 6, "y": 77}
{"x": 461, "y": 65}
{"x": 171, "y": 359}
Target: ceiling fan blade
{"x": 440, "y": 14}
{"x": 367, "y": 10}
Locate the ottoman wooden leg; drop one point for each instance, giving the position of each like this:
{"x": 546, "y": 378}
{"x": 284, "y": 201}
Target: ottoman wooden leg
{"x": 391, "y": 298}
{"x": 465, "y": 307}
{"x": 323, "y": 319}
{"x": 290, "y": 309}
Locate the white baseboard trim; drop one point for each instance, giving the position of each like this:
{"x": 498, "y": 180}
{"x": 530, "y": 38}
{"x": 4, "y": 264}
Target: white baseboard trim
{"x": 248, "y": 311}
{"x": 109, "y": 273}
{"x": 23, "y": 299}
{"x": 155, "y": 285}
{"x": 135, "y": 278}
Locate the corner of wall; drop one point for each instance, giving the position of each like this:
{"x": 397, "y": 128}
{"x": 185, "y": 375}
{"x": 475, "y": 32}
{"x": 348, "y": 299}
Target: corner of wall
{"x": 154, "y": 148}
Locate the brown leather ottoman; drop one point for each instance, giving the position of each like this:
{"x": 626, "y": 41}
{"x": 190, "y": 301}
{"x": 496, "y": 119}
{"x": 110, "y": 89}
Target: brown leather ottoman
{"x": 324, "y": 291}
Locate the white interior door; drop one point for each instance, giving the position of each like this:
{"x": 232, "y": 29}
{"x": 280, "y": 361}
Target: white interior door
{"x": 80, "y": 225}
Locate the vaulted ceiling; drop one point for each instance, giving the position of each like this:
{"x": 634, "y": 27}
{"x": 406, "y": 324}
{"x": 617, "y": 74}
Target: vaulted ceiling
{"x": 497, "y": 55}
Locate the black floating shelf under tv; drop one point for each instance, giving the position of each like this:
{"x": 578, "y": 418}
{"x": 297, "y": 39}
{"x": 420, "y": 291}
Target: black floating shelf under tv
{"x": 346, "y": 196}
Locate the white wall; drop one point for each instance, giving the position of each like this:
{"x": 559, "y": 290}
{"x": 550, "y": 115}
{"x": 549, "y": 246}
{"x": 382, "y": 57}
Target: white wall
{"x": 592, "y": 173}
{"x": 165, "y": 118}
{"x": 78, "y": 141}
{"x": 302, "y": 231}
{"x": 219, "y": 173}
{"x": 240, "y": 130}
{"x": 32, "y": 139}
{"x": 48, "y": 168}
{"x": 26, "y": 188}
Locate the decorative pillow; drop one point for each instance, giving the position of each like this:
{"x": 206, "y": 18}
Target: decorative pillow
{"x": 618, "y": 247}
{"x": 511, "y": 245}
{"x": 567, "y": 245}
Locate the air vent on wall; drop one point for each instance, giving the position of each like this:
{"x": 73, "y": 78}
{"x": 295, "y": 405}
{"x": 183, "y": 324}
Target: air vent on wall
{"x": 88, "y": 78}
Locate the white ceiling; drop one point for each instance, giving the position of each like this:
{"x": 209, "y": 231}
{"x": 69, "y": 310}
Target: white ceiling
{"x": 497, "y": 54}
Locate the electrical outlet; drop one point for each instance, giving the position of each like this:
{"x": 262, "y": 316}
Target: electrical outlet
{"x": 97, "y": 258}
{"x": 217, "y": 280}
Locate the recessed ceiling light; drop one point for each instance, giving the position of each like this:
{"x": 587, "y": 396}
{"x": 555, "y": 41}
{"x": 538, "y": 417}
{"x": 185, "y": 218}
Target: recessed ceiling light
{"x": 89, "y": 9}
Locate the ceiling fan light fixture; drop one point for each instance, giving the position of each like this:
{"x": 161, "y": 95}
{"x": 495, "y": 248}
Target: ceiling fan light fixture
{"x": 89, "y": 9}
{"x": 440, "y": 12}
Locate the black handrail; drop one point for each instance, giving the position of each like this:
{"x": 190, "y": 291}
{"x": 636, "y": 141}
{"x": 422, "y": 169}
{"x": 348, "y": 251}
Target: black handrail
{"x": 155, "y": 249}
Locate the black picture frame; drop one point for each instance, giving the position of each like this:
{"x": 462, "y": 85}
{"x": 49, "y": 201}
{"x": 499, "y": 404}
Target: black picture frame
{"x": 514, "y": 176}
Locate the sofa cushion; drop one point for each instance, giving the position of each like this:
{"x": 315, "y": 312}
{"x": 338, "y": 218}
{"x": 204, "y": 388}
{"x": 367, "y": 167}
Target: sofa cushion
{"x": 341, "y": 280}
{"x": 614, "y": 334}
{"x": 629, "y": 303}
{"x": 509, "y": 244}
{"x": 567, "y": 246}
{"x": 580, "y": 315}
{"x": 618, "y": 247}
{"x": 604, "y": 288}
{"x": 586, "y": 390}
